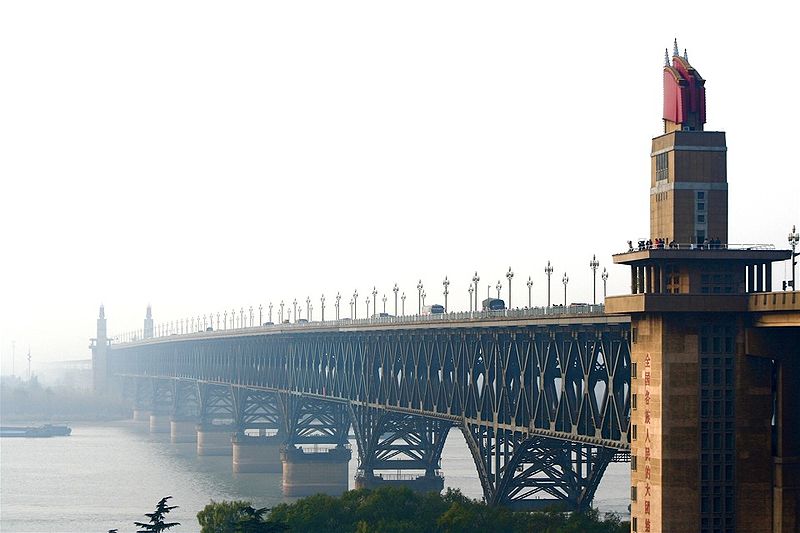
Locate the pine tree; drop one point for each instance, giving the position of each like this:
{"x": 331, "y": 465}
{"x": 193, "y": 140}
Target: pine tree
{"x": 157, "y": 523}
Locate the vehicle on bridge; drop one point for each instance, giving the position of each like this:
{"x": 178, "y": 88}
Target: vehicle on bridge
{"x": 435, "y": 309}
{"x": 493, "y": 304}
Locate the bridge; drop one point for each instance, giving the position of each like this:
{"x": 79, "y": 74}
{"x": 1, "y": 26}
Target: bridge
{"x": 692, "y": 376}
{"x": 542, "y": 396}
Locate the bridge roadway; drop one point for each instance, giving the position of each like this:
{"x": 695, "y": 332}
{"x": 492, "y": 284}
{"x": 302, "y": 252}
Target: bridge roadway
{"x": 541, "y": 396}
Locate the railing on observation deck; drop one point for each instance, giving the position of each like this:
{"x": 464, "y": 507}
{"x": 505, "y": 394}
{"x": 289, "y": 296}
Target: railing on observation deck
{"x": 641, "y": 245}
{"x": 169, "y": 329}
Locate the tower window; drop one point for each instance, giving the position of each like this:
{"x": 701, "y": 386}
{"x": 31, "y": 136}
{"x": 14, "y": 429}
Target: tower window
{"x": 701, "y": 195}
{"x": 662, "y": 166}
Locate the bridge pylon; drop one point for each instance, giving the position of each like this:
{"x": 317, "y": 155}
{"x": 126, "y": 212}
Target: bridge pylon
{"x": 399, "y": 449}
{"x": 185, "y": 412}
{"x": 217, "y": 419}
{"x": 260, "y": 431}
{"x": 316, "y": 455}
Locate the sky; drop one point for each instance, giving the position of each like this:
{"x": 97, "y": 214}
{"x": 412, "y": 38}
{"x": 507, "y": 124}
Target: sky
{"x": 202, "y": 156}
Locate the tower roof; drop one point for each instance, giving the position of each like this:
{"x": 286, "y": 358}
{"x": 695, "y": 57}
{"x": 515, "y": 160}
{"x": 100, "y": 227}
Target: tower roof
{"x": 684, "y": 94}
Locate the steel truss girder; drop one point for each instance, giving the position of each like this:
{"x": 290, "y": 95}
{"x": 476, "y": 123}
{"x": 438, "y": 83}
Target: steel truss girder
{"x": 396, "y": 441}
{"x": 312, "y": 421}
{"x": 187, "y": 399}
{"x": 163, "y": 396}
{"x": 217, "y": 405}
{"x": 525, "y": 472}
{"x": 258, "y": 409}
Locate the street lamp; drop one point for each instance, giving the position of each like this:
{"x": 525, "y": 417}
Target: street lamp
{"x": 499, "y": 287}
{"x": 374, "y": 301}
{"x": 565, "y": 280}
{"x": 338, "y": 298}
{"x": 530, "y": 285}
{"x": 549, "y": 271}
{"x": 395, "y": 289}
{"x": 384, "y": 304}
{"x": 308, "y": 308}
{"x": 270, "y": 311}
{"x": 322, "y": 303}
{"x": 351, "y": 308}
{"x": 475, "y": 280}
{"x": 403, "y": 299}
{"x": 251, "y": 316}
{"x": 593, "y": 264}
{"x": 423, "y": 298}
{"x": 471, "y": 290}
{"x": 217, "y": 320}
{"x": 295, "y": 309}
{"x": 509, "y": 275}
{"x": 310, "y": 312}
{"x": 445, "y": 283}
{"x": 367, "y": 307}
{"x": 233, "y": 317}
{"x": 281, "y": 315}
{"x": 419, "y": 297}
{"x": 242, "y": 323}
{"x": 355, "y": 304}
{"x": 224, "y": 318}
{"x": 794, "y": 238}
{"x": 604, "y": 277}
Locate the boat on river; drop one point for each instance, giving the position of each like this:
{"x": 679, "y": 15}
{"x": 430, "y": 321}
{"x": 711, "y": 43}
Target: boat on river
{"x": 46, "y": 430}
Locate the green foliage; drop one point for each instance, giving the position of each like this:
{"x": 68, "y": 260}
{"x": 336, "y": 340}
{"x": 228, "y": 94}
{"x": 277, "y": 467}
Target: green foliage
{"x": 157, "y": 518}
{"x": 399, "y": 510}
{"x": 235, "y": 517}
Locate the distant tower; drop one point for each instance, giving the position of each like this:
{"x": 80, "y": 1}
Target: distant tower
{"x": 688, "y": 185}
{"x": 99, "y": 347}
{"x": 148, "y": 323}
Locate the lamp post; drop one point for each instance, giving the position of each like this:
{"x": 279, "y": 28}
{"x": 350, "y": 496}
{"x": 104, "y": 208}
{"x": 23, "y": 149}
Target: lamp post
{"x": 295, "y": 309}
{"x": 593, "y": 264}
{"x": 423, "y": 298}
{"x": 242, "y": 323}
{"x": 509, "y": 275}
{"x": 565, "y": 280}
{"x": 403, "y": 299}
{"x": 475, "y": 280}
{"x": 251, "y": 316}
{"x": 322, "y": 308}
{"x": 351, "y": 308}
{"x": 374, "y": 301}
{"x": 794, "y": 238}
{"x": 471, "y": 290}
{"x": 270, "y": 311}
{"x": 604, "y": 277}
{"x": 395, "y": 289}
{"x": 338, "y": 299}
{"x": 445, "y": 284}
{"x": 217, "y": 320}
{"x": 549, "y": 271}
{"x": 310, "y": 312}
{"x": 355, "y": 304}
{"x": 367, "y": 307}
{"x": 298, "y": 314}
{"x": 233, "y": 317}
{"x": 224, "y": 318}
{"x": 499, "y": 287}
{"x": 419, "y": 297}
{"x": 384, "y": 304}
{"x": 308, "y": 308}
{"x": 204, "y": 323}
{"x": 530, "y": 285}
{"x": 281, "y": 320}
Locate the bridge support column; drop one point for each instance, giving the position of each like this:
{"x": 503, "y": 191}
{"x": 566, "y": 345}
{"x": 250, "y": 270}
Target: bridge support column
{"x": 321, "y": 466}
{"x": 215, "y": 439}
{"x": 306, "y": 473}
{"x": 182, "y": 430}
{"x": 253, "y": 454}
{"x": 163, "y": 401}
{"x": 159, "y": 423}
{"x": 398, "y": 449}
{"x": 141, "y": 415}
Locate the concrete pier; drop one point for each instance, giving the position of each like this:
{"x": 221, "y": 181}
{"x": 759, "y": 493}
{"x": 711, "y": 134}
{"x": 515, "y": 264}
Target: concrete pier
{"x": 141, "y": 415}
{"x": 307, "y": 473}
{"x": 214, "y": 440}
{"x": 417, "y": 483}
{"x": 159, "y": 423}
{"x": 257, "y": 454}
{"x": 182, "y": 430}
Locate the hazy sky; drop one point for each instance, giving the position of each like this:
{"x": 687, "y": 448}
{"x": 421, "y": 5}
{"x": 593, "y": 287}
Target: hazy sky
{"x": 208, "y": 155}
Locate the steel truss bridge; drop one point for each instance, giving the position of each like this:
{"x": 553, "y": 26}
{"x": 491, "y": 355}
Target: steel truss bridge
{"x": 543, "y": 401}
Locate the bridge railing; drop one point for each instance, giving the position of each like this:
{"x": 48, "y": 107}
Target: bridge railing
{"x": 169, "y": 329}
{"x": 642, "y": 244}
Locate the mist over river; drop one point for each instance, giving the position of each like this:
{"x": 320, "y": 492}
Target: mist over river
{"x": 108, "y": 476}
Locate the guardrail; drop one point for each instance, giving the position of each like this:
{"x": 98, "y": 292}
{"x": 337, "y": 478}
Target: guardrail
{"x": 173, "y": 329}
{"x": 642, "y": 245}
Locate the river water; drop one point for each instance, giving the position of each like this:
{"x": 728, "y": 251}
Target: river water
{"x": 108, "y": 476}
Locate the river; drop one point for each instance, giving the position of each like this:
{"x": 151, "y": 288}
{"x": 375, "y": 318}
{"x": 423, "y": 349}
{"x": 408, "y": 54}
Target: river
{"x": 108, "y": 476}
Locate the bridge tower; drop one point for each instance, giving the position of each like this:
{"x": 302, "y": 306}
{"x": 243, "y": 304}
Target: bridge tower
{"x": 99, "y": 347}
{"x": 701, "y": 406}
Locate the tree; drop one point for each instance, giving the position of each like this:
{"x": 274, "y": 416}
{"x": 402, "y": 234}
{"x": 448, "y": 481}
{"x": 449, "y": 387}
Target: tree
{"x": 157, "y": 523}
{"x": 235, "y": 516}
